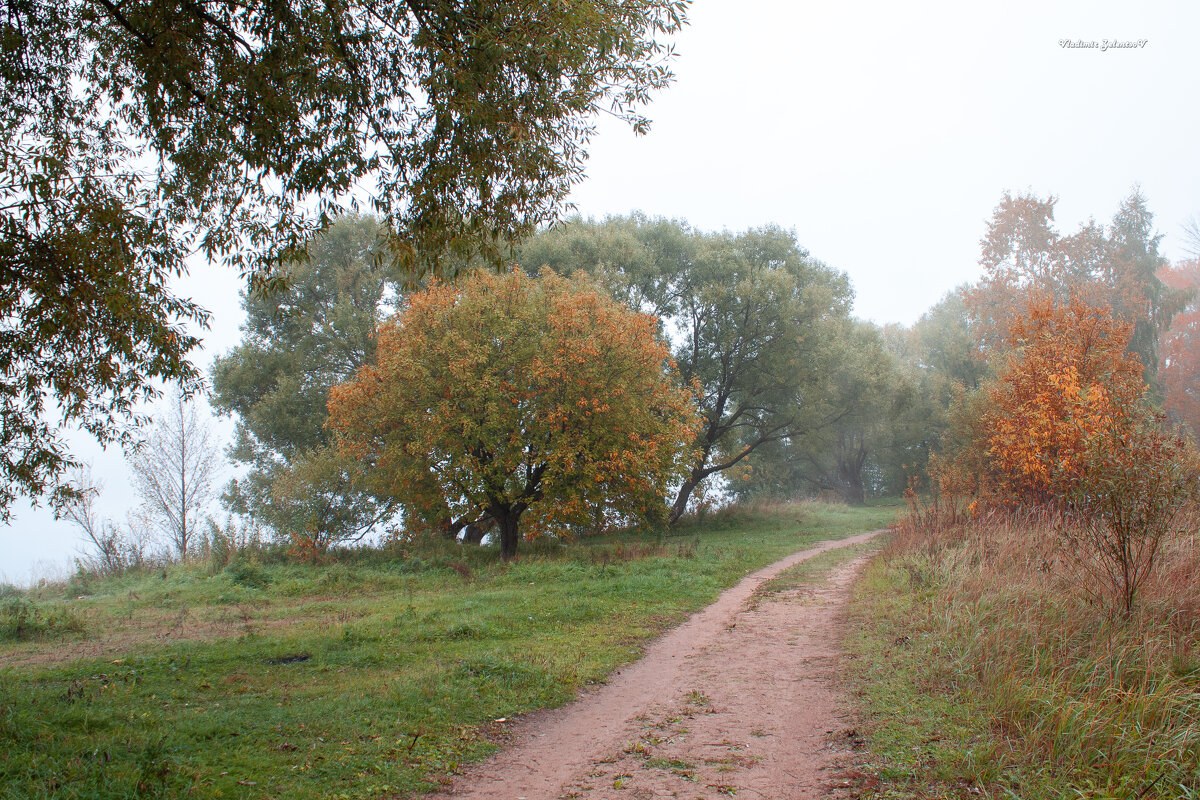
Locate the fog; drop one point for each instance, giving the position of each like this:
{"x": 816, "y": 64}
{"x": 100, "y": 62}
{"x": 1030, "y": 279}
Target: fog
{"x": 884, "y": 134}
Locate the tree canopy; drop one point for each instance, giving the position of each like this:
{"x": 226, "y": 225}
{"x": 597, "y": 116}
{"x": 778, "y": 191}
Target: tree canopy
{"x": 138, "y": 133}
{"x": 939, "y": 364}
{"x": 510, "y": 395}
{"x": 297, "y": 343}
{"x": 1067, "y": 384}
{"x": 861, "y": 427}
{"x": 1026, "y": 260}
{"x": 752, "y": 318}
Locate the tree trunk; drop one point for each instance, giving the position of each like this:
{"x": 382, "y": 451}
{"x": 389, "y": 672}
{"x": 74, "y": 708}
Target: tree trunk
{"x": 681, "y": 500}
{"x": 850, "y": 460}
{"x": 851, "y": 490}
{"x": 474, "y": 532}
{"x": 506, "y": 521}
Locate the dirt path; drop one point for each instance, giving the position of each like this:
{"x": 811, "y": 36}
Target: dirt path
{"x": 737, "y": 701}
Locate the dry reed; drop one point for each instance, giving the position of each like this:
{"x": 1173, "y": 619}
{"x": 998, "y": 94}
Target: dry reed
{"x": 1090, "y": 702}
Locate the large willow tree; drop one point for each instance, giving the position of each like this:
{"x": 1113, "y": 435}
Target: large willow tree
{"x": 136, "y": 133}
{"x": 752, "y": 318}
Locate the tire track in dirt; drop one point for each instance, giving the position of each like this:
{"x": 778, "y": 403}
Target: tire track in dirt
{"x": 738, "y": 700}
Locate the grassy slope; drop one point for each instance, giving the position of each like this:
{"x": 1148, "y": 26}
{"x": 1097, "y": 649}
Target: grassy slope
{"x": 927, "y": 729}
{"x": 365, "y": 679}
{"x": 983, "y": 674}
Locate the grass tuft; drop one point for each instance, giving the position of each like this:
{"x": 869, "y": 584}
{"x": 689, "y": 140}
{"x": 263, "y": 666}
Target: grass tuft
{"x": 22, "y": 619}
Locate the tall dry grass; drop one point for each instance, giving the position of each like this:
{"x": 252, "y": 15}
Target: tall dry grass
{"x": 1085, "y": 700}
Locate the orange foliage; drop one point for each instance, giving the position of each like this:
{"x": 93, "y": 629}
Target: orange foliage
{"x": 507, "y": 394}
{"x": 1025, "y": 259}
{"x": 1068, "y": 386}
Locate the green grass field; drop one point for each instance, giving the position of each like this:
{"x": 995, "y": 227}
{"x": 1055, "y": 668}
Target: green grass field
{"x": 371, "y": 677}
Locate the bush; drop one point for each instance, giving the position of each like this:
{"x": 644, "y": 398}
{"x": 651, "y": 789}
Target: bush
{"x": 245, "y": 573}
{"x": 21, "y": 619}
{"x": 1128, "y": 505}
{"x": 80, "y": 584}
{"x": 221, "y": 545}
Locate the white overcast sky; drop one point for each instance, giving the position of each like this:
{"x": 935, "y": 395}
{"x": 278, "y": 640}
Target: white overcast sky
{"x": 883, "y": 133}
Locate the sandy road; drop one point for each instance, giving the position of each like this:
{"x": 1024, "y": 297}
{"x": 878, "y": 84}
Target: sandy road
{"x": 736, "y": 701}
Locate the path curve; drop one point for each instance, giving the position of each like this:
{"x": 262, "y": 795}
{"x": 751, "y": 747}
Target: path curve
{"x": 736, "y": 700}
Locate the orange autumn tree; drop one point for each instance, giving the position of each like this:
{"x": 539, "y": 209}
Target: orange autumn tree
{"x": 1067, "y": 423}
{"x": 1068, "y": 386}
{"x": 1025, "y": 257}
{"x": 535, "y": 401}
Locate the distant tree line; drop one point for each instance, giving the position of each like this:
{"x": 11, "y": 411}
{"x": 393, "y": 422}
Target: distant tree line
{"x": 793, "y": 396}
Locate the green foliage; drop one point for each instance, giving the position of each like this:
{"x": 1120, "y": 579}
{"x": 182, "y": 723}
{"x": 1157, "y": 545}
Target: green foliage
{"x": 943, "y": 348}
{"x": 297, "y": 343}
{"x": 137, "y": 135}
{"x": 85, "y": 324}
{"x": 940, "y": 362}
{"x": 406, "y": 672}
{"x": 753, "y": 320}
{"x": 1135, "y": 257}
{"x": 860, "y": 435}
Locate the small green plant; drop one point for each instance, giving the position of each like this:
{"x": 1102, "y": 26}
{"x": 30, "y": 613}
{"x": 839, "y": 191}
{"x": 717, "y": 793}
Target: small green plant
{"x": 245, "y": 573}
{"x": 671, "y": 765}
{"x": 79, "y": 584}
{"x": 21, "y": 619}
{"x": 221, "y": 545}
